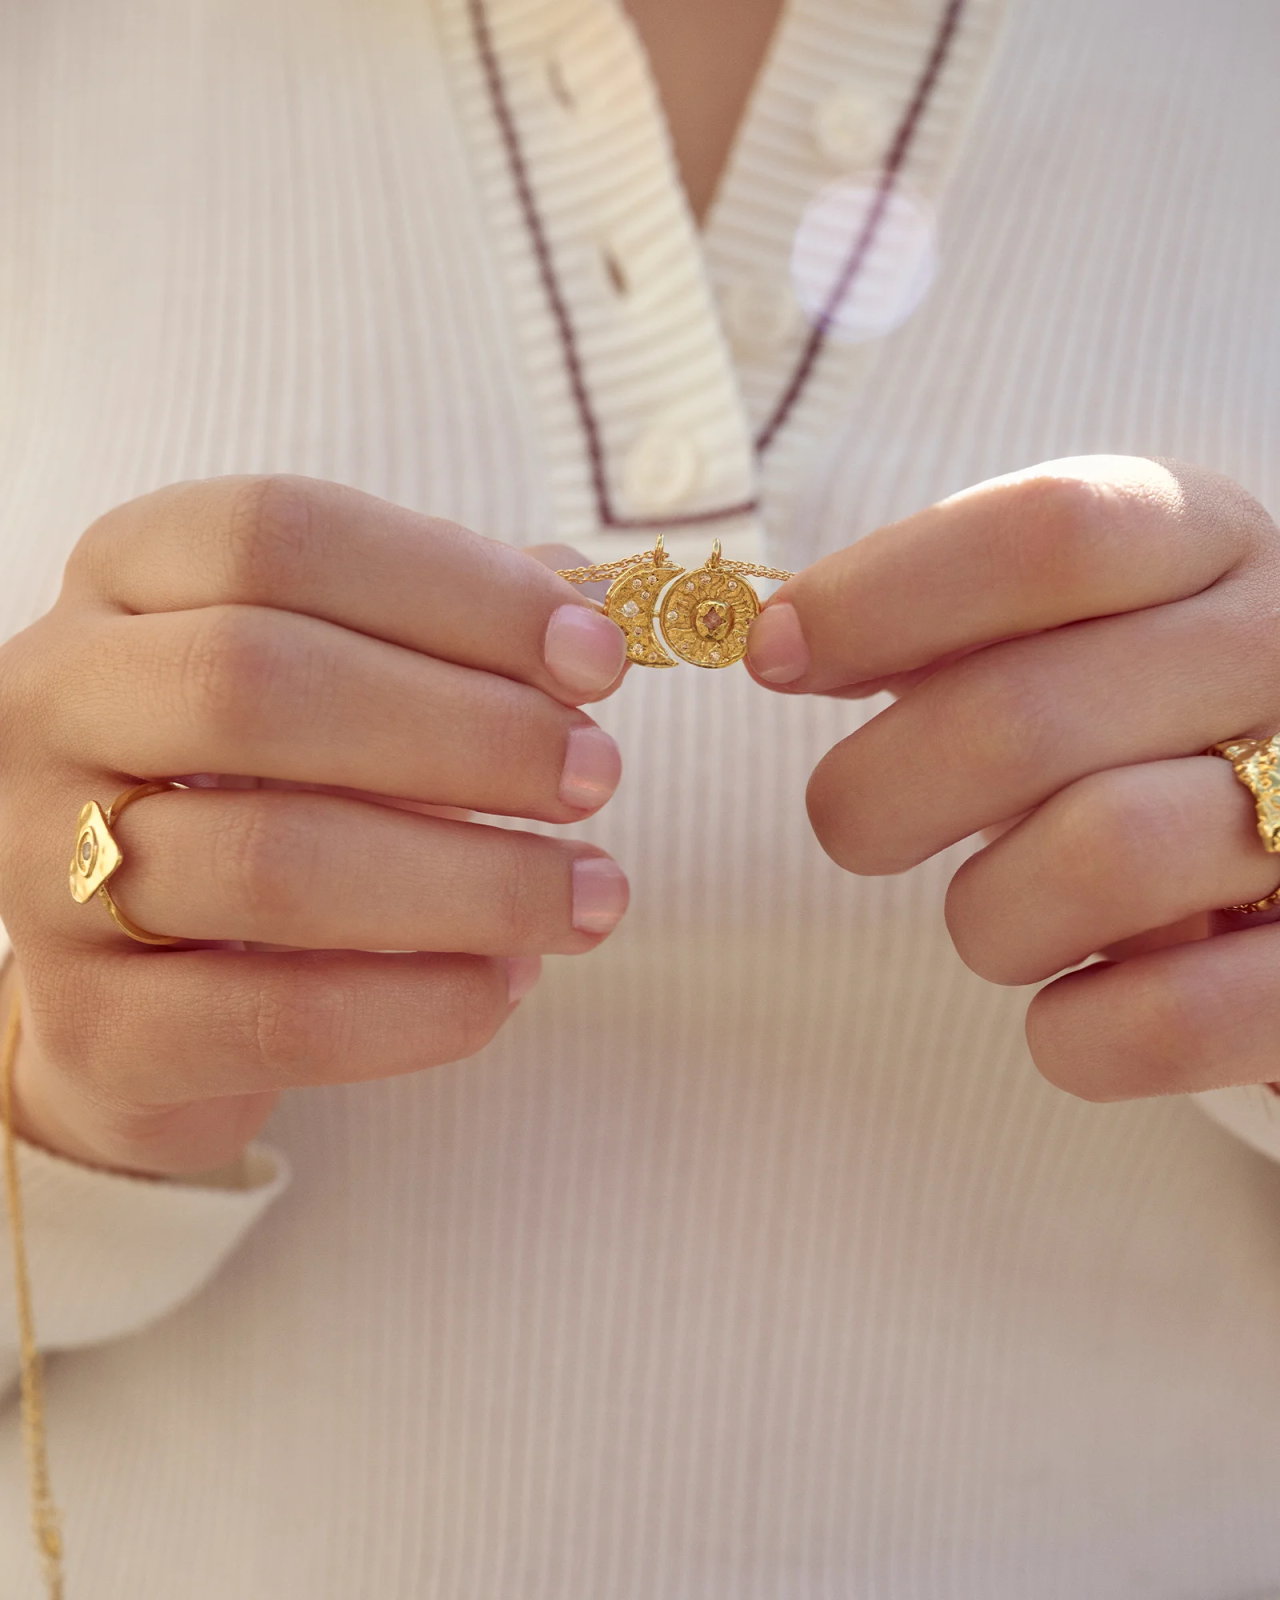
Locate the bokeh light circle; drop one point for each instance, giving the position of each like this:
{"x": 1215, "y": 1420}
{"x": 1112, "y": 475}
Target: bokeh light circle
{"x": 896, "y": 269}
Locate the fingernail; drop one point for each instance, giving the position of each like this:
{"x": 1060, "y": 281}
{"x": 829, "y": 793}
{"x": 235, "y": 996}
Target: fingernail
{"x": 600, "y": 894}
{"x": 522, "y": 973}
{"x": 592, "y": 767}
{"x": 583, "y": 648}
{"x": 775, "y": 646}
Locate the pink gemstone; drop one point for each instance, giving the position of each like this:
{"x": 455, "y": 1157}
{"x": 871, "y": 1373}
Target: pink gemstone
{"x": 714, "y": 618}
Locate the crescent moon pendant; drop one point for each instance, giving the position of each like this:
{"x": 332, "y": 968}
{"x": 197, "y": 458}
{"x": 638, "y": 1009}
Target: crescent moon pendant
{"x": 631, "y": 602}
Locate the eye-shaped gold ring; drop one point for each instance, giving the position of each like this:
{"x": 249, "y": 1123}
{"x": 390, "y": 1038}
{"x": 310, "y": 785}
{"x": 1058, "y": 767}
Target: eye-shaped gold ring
{"x": 97, "y": 856}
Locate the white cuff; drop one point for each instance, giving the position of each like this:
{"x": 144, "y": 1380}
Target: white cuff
{"x": 110, "y": 1253}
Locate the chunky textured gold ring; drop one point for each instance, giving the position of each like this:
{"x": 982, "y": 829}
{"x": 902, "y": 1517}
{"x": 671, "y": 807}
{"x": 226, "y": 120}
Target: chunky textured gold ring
{"x": 1256, "y": 762}
{"x": 97, "y": 856}
{"x": 704, "y": 617}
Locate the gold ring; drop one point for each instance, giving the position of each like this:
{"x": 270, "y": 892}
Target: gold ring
{"x": 1256, "y": 763}
{"x": 97, "y": 856}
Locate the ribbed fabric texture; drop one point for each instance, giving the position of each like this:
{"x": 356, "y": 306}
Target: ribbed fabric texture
{"x": 753, "y": 1261}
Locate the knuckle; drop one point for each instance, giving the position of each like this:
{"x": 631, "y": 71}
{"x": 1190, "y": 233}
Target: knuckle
{"x": 1071, "y": 521}
{"x": 294, "y": 1022}
{"x": 30, "y": 663}
{"x": 228, "y": 659}
{"x": 525, "y": 728}
{"x": 520, "y": 895}
{"x": 1224, "y": 502}
{"x": 1060, "y": 519}
{"x": 517, "y": 732}
{"x": 268, "y": 536}
{"x": 94, "y": 552}
{"x": 1108, "y": 826}
{"x": 266, "y": 868}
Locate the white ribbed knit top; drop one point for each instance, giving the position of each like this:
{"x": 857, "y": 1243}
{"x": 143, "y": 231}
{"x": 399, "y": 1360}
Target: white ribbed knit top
{"x": 753, "y": 1261}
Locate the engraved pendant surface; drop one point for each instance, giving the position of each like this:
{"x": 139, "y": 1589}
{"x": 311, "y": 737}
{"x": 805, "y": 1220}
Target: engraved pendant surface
{"x": 705, "y": 616}
{"x": 97, "y": 855}
{"x": 631, "y": 603}
{"x": 1257, "y": 765}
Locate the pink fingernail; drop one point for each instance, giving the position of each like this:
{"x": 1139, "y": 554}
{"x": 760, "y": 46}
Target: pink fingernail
{"x": 522, "y": 973}
{"x": 775, "y": 646}
{"x": 600, "y": 894}
{"x": 583, "y": 648}
{"x": 592, "y": 767}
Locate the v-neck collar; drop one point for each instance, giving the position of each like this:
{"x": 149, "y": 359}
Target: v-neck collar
{"x": 653, "y": 404}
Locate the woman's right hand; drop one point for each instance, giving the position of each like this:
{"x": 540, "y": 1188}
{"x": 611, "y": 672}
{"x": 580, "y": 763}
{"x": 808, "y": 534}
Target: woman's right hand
{"x": 360, "y": 663}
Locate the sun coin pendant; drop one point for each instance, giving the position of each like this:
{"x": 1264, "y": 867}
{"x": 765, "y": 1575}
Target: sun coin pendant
{"x": 706, "y": 614}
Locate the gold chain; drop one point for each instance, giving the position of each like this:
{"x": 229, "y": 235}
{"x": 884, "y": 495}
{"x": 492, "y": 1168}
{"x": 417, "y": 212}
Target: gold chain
{"x": 44, "y": 1513}
{"x": 748, "y": 569}
{"x": 607, "y": 569}
{"x": 614, "y": 569}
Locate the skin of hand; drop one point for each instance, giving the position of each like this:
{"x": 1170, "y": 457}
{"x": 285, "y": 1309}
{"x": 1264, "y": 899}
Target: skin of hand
{"x": 1063, "y": 645}
{"x": 380, "y": 675}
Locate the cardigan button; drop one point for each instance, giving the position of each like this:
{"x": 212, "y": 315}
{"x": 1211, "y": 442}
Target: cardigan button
{"x": 660, "y": 469}
{"x": 849, "y": 129}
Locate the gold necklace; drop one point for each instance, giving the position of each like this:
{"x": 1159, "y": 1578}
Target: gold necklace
{"x": 704, "y": 617}
{"x": 45, "y": 1523}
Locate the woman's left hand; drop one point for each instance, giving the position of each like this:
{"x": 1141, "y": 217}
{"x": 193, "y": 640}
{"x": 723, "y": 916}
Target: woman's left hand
{"x": 1064, "y": 644}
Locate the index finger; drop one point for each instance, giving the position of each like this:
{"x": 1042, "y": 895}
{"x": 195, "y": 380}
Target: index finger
{"x": 1059, "y": 543}
{"x": 297, "y": 544}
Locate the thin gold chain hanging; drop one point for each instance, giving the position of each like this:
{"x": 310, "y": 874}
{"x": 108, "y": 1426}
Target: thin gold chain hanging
{"x": 607, "y": 569}
{"x": 750, "y": 569}
{"x": 45, "y": 1523}
{"x": 614, "y": 569}
{"x": 703, "y": 616}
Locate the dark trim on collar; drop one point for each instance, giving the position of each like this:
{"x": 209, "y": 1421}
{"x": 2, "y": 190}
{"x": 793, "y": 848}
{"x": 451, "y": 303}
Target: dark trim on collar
{"x": 605, "y": 510}
{"x": 894, "y": 162}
